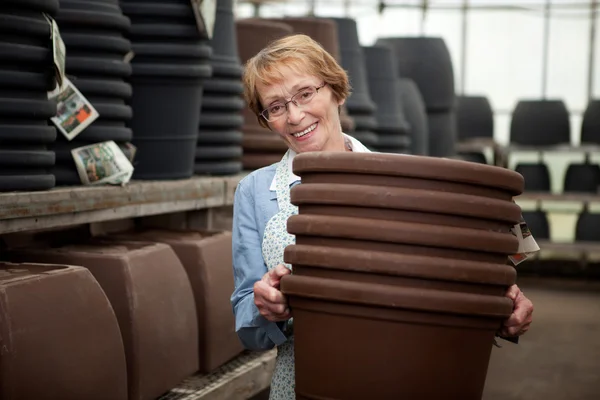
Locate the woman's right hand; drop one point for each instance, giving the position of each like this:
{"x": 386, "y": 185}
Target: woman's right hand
{"x": 271, "y": 303}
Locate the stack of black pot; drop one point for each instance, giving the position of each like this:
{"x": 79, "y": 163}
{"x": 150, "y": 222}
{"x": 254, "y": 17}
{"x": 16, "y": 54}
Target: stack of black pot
{"x": 170, "y": 66}
{"x": 219, "y": 150}
{"x": 384, "y": 88}
{"x": 94, "y": 35}
{"x": 360, "y": 105}
{"x": 26, "y": 75}
{"x": 426, "y": 60}
{"x": 416, "y": 115}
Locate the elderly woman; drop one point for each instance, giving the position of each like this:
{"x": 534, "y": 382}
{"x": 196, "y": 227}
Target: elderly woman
{"x": 296, "y": 89}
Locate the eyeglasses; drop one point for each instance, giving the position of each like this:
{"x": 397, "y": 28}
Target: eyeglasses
{"x": 302, "y": 98}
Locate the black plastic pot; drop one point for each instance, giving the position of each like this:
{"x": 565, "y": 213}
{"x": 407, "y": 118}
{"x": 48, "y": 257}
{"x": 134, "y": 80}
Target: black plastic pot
{"x": 169, "y": 157}
{"x": 218, "y": 168}
{"x": 9, "y": 183}
{"x": 47, "y": 6}
{"x": 219, "y": 137}
{"x": 206, "y": 153}
{"x": 222, "y": 103}
{"x": 442, "y": 133}
{"x": 582, "y": 178}
{"x": 40, "y": 134}
{"x": 540, "y": 123}
{"x": 26, "y": 158}
{"x": 425, "y": 60}
{"x": 590, "y": 128}
{"x": 475, "y": 118}
{"x": 369, "y": 139}
{"x": 587, "y": 227}
{"x": 221, "y": 120}
{"x": 416, "y": 115}
{"x": 224, "y": 86}
{"x": 537, "y": 177}
{"x": 224, "y": 40}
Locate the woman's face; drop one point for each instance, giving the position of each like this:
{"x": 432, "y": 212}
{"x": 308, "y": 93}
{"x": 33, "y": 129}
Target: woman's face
{"x": 311, "y": 127}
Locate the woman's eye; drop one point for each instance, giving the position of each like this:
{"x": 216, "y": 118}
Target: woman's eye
{"x": 275, "y": 109}
{"x": 306, "y": 95}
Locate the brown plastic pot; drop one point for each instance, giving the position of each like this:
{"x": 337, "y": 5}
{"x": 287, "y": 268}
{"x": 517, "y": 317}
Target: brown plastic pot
{"x": 151, "y": 295}
{"x": 417, "y": 172}
{"x": 405, "y": 270}
{"x": 268, "y": 142}
{"x": 357, "y": 340}
{"x": 410, "y": 205}
{"x": 59, "y": 335}
{"x": 259, "y": 160}
{"x": 414, "y": 238}
{"x": 206, "y": 257}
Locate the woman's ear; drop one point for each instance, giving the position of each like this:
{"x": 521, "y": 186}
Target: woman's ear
{"x": 341, "y": 102}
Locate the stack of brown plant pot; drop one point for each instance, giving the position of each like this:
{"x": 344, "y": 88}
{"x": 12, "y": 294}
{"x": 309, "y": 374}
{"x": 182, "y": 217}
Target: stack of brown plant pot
{"x": 207, "y": 259}
{"x": 399, "y": 274}
{"x": 324, "y": 31}
{"x": 152, "y": 299}
{"x": 262, "y": 147}
{"x": 60, "y": 337}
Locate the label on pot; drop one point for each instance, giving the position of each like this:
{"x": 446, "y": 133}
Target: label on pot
{"x": 74, "y": 112}
{"x": 100, "y": 163}
{"x": 205, "y": 12}
{"x": 527, "y": 244}
{"x": 59, "y": 51}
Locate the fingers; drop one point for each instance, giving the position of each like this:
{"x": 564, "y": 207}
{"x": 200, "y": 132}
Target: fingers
{"x": 273, "y": 277}
{"x": 271, "y": 303}
{"x": 520, "y": 320}
{"x": 513, "y": 292}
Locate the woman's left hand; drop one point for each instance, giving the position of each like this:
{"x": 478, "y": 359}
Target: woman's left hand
{"x": 520, "y": 320}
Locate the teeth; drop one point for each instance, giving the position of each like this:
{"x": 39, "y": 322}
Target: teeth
{"x": 304, "y": 132}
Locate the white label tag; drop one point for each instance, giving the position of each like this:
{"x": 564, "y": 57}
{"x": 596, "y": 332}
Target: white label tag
{"x": 100, "y": 163}
{"x": 59, "y": 51}
{"x": 205, "y": 12}
{"x": 74, "y": 112}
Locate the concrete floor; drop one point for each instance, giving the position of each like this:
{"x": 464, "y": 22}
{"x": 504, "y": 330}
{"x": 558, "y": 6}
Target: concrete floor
{"x": 559, "y": 358}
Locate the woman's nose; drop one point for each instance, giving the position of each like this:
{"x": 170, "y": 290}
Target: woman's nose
{"x": 294, "y": 114}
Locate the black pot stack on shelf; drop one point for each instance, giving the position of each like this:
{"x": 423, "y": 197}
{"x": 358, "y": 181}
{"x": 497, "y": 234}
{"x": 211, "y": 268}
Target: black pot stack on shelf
{"x": 170, "y": 66}
{"x": 94, "y": 35}
{"x": 26, "y": 75}
{"x": 219, "y": 148}
{"x": 426, "y": 60}
{"x": 360, "y": 105}
{"x": 392, "y": 127}
{"x": 416, "y": 115}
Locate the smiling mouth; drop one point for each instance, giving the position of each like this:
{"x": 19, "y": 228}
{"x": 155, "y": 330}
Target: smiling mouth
{"x": 306, "y": 131}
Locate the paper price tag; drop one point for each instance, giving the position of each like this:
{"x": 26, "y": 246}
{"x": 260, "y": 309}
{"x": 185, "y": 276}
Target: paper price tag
{"x": 100, "y": 163}
{"x": 59, "y": 50}
{"x": 527, "y": 244}
{"x": 74, "y": 112}
{"x": 205, "y": 12}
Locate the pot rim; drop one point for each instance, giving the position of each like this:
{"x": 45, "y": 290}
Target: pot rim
{"x": 422, "y": 167}
{"x": 407, "y": 265}
{"x": 429, "y": 201}
{"x": 397, "y": 297}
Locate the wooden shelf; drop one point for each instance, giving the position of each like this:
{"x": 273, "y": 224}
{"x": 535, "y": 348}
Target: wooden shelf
{"x": 240, "y": 379}
{"x": 65, "y": 206}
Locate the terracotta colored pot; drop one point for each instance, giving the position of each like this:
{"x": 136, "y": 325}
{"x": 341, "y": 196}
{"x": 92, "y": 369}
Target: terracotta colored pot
{"x": 160, "y": 337}
{"x": 269, "y": 141}
{"x": 415, "y": 172}
{"x": 357, "y": 340}
{"x": 406, "y": 256}
{"x": 258, "y": 160}
{"x": 410, "y": 205}
{"x": 59, "y": 334}
{"x": 206, "y": 257}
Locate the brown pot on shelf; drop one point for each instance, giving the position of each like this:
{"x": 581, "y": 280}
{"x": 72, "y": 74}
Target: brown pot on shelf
{"x": 59, "y": 334}
{"x": 153, "y": 301}
{"x": 207, "y": 259}
{"x": 258, "y": 160}
{"x": 406, "y": 257}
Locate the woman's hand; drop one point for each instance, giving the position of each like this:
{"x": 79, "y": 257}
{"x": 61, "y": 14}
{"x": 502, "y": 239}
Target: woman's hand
{"x": 520, "y": 320}
{"x": 271, "y": 303}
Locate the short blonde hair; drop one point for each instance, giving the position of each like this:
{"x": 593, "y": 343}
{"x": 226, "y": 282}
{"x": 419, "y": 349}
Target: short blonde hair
{"x": 300, "y": 53}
